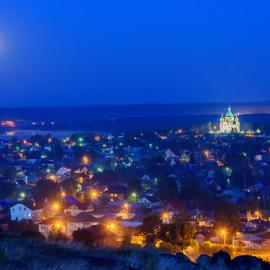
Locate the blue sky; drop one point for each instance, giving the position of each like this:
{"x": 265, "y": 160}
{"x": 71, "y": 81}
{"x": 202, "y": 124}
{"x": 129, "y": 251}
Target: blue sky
{"x": 124, "y": 52}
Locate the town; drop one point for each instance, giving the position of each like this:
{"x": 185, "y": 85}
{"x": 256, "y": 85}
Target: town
{"x": 193, "y": 191}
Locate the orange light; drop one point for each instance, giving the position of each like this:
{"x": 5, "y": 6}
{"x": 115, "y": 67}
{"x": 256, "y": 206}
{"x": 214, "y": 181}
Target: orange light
{"x": 85, "y": 160}
{"x": 56, "y": 206}
{"x": 93, "y": 194}
{"x": 165, "y": 215}
{"x": 52, "y": 177}
{"x": 223, "y": 232}
{"x": 111, "y": 226}
{"x": 97, "y": 138}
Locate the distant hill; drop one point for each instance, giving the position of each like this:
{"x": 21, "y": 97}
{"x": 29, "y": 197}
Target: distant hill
{"x": 84, "y": 113}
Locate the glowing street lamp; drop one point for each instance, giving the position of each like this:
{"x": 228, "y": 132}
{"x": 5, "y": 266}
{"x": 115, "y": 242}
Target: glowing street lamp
{"x": 56, "y": 206}
{"x": 206, "y": 153}
{"x": 93, "y": 194}
{"x": 223, "y": 232}
{"x": 165, "y": 217}
{"x": 85, "y": 160}
{"x": 111, "y": 226}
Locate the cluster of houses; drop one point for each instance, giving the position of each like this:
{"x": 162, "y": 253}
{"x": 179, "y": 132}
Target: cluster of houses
{"x": 95, "y": 179}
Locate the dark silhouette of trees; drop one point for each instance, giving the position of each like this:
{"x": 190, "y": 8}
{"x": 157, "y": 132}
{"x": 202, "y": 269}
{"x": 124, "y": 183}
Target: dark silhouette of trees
{"x": 167, "y": 188}
{"x": 150, "y": 228}
{"x": 179, "y": 233}
{"x": 84, "y": 236}
{"x": 227, "y": 217}
{"x": 34, "y": 234}
{"x": 57, "y": 235}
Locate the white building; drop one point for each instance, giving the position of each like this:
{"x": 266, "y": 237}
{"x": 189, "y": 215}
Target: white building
{"x": 20, "y": 212}
{"x": 229, "y": 123}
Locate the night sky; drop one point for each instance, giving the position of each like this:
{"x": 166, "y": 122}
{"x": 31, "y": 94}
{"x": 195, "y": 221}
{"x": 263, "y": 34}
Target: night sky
{"x": 90, "y": 52}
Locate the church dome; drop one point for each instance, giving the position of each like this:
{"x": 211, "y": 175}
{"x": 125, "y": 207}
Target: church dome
{"x": 229, "y": 112}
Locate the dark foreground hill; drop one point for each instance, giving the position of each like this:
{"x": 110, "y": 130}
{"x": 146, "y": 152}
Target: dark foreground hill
{"x": 27, "y": 254}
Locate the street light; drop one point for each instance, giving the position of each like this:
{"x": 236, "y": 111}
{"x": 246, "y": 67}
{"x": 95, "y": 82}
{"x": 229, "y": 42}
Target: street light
{"x": 111, "y": 226}
{"x": 93, "y": 194}
{"x": 223, "y": 232}
{"x": 85, "y": 160}
{"x": 56, "y": 206}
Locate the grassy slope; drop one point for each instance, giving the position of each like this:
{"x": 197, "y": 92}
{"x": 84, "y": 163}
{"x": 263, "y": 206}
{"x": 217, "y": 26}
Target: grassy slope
{"x": 22, "y": 254}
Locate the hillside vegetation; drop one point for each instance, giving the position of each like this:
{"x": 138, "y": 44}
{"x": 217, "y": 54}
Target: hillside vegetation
{"x": 29, "y": 254}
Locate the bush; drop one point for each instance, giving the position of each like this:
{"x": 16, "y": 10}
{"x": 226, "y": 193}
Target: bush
{"x": 33, "y": 234}
{"x": 57, "y": 236}
{"x": 168, "y": 247}
{"x": 83, "y": 236}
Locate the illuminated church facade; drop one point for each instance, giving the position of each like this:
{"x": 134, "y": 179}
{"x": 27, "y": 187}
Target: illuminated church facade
{"x": 229, "y": 123}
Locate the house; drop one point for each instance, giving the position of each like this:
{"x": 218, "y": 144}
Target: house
{"x": 149, "y": 202}
{"x": 167, "y": 217}
{"x": 115, "y": 192}
{"x": 78, "y": 208}
{"x": 20, "y": 212}
{"x": 52, "y": 224}
{"x": 83, "y": 220}
{"x": 37, "y": 214}
{"x": 169, "y": 154}
{"x": 133, "y": 223}
{"x": 249, "y": 241}
{"x": 185, "y": 158}
{"x": 63, "y": 171}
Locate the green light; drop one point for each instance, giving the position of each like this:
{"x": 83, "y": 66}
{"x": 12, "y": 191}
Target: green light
{"x": 80, "y": 139}
{"x": 228, "y": 171}
{"x": 133, "y": 197}
{"x": 99, "y": 169}
{"x": 22, "y": 195}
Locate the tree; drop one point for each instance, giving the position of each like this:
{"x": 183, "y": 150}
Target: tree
{"x": 150, "y": 228}
{"x": 167, "y": 189}
{"x": 33, "y": 234}
{"x": 180, "y": 233}
{"x": 84, "y": 236}
{"x": 45, "y": 189}
{"x": 7, "y": 189}
{"x": 134, "y": 185}
{"x": 227, "y": 218}
{"x": 57, "y": 235}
